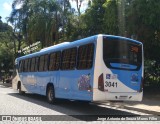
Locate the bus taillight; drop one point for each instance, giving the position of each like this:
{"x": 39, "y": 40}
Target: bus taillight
{"x": 101, "y": 82}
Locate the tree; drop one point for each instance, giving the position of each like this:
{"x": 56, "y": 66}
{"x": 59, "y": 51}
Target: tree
{"x": 6, "y": 48}
{"x": 111, "y": 20}
{"x": 41, "y": 20}
{"x": 18, "y": 19}
{"x": 145, "y": 25}
{"x": 93, "y": 18}
{"x": 79, "y": 4}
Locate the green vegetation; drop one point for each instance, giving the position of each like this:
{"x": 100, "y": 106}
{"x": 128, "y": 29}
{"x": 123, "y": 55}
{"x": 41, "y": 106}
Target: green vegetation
{"x": 6, "y": 48}
{"x": 55, "y": 21}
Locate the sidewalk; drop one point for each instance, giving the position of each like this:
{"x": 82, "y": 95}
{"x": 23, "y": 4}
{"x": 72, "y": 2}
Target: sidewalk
{"x": 150, "y": 103}
{"x": 6, "y": 84}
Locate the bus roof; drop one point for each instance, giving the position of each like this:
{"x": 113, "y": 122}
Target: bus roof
{"x": 57, "y": 45}
{"x": 124, "y": 38}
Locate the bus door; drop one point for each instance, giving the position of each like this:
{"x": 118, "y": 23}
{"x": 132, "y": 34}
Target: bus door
{"x": 64, "y": 84}
{"x": 54, "y": 66}
{"x": 54, "y": 78}
{"x": 31, "y": 82}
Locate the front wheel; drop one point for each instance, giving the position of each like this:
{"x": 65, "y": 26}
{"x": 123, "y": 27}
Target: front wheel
{"x": 20, "y": 89}
{"x": 50, "y": 95}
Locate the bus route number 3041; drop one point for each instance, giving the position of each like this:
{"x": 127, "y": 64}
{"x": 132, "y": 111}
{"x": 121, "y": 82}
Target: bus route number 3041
{"x": 110, "y": 84}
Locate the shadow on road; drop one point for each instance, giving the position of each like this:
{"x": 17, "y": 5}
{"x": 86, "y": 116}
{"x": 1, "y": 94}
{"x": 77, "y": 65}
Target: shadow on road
{"x": 74, "y": 110}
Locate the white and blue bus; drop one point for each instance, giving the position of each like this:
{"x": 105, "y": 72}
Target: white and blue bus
{"x": 97, "y": 68}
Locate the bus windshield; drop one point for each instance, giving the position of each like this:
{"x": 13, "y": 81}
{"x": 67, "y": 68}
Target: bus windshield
{"x": 121, "y": 51}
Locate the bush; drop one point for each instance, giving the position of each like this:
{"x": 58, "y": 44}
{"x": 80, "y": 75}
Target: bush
{"x": 152, "y": 76}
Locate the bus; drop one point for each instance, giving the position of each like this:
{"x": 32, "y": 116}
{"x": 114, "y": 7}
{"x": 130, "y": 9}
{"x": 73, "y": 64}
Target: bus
{"x": 97, "y": 68}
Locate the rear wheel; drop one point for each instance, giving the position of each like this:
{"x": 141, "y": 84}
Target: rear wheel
{"x": 50, "y": 95}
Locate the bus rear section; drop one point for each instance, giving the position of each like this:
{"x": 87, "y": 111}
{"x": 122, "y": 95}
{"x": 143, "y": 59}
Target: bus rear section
{"x": 118, "y": 69}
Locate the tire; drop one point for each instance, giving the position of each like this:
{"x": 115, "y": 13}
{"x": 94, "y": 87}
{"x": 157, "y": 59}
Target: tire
{"x": 50, "y": 95}
{"x": 20, "y": 90}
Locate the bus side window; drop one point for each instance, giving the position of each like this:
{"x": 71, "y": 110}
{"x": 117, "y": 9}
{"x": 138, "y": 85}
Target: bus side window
{"x": 90, "y": 56}
{"x": 45, "y": 63}
{"x": 33, "y": 64}
{"x": 41, "y": 63}
{"x": 29, "y": 65}
{"x": 54, "y": 61}
{"x": 69, "y": 59}
{"x": 73, "y": 56}
{"x": 20, "y": 66}
{"x": 26, "y": 65}
{"x": 65, "y": 59}
{"x": 36, "y": 68}
{"x": 85, "y": 56}
{"x": 58, "y": 60}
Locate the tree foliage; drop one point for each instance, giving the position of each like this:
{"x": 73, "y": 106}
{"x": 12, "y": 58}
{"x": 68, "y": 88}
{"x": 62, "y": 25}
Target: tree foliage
{"x": 54, "y": 21}
{"x": 43, "y": 20}
{"x": 6, "y": 48}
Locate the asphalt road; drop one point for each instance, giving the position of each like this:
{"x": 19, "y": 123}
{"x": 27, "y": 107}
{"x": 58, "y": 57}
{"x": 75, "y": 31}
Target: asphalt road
{"x": 14, "y": 104}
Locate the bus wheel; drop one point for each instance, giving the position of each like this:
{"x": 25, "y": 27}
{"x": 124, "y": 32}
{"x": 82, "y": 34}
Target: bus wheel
{"x": 50, "y": 95}
{"x": 19, "y": 89}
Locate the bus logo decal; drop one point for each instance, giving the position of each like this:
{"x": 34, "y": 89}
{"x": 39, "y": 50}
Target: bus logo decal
{"x": 84, "y": 82}
{"x": 108, "y": 76}
{"x": 114, "y": 76}
{"x": 134, "y": 77}
{"x": 111, "y": 76}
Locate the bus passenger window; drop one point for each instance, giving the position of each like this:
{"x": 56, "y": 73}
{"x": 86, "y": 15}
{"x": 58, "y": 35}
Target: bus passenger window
{"x": 26, "y": 65}
{"x": 73, "y": 58}
{"x": 85, "y": 56}
{"x": 36, "y": 64}
{"x": 69, "y": 59}
{"x": 45, "y": 63}
{"x": 20, "y": 66}
{"x": 29, "y": 65}
{"x": 41, "y": 63}
{"x": 33, "y": 65}
{"x": 58, "y": 60}
{"x": 54, "y": 61}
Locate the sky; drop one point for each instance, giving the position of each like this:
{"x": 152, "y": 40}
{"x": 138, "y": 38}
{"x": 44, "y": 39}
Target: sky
{"x": 6, "y": 8}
